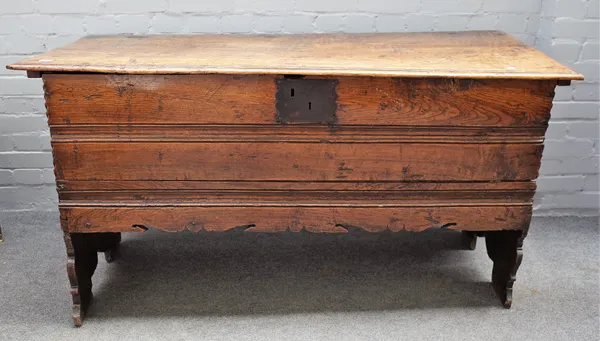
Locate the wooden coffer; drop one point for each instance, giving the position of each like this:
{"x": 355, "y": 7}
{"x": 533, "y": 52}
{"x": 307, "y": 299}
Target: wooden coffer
{"x": 382, "y": 132}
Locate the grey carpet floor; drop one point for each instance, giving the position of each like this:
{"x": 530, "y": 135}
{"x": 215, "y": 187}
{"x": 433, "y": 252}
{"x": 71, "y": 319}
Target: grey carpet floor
{"x": 302, "y": 286}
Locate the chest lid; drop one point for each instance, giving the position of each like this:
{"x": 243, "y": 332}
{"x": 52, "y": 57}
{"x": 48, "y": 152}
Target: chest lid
{"x": 472, "y": 54}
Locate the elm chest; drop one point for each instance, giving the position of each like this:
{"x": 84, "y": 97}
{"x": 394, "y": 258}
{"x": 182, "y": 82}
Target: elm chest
{"x": 318, "y": 133}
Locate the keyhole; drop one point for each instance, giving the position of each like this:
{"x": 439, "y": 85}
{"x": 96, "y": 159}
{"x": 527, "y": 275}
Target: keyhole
{"x": 292, "y": 92}
{"x": 309, "y": 105}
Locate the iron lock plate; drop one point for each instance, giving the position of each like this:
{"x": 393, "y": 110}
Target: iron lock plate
{"x": 301, "y": 100}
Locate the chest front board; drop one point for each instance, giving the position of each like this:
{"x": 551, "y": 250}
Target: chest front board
{"x": 190, "y": 151}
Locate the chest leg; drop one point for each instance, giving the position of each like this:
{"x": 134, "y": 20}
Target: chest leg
{"x": 82, "y": 260}
{"x": 505, "y": 249}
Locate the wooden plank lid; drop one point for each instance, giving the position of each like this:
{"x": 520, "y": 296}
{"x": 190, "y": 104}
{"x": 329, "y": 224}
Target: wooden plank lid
{"x": 472, "y": 54}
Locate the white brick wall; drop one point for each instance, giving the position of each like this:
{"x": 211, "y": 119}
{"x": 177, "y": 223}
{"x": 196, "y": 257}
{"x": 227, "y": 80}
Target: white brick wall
{"x": 565, "y": 29}
{"x": 568, "y": 180}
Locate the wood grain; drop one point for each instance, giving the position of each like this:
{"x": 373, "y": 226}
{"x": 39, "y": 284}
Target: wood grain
{"x": 296, "y": 161}
{"x": 226, "y": 99}
{"x": 474, "y": 54}
{"x": 276, "y": 219}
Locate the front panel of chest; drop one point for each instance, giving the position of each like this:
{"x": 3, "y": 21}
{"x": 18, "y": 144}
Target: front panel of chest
{"x": 216, "y": 151}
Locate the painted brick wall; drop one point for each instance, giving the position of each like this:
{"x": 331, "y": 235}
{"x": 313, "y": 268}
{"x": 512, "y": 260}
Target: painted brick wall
{"x": 565, "y": 29}
{"x": 569, "y": 174}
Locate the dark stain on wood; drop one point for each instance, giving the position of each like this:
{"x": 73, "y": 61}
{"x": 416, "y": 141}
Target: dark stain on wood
{"x": 160, "y": 104}
{"x": 92, "y": 96}
{"x": 431, "y": 219}
{"x": 121, "y": 90}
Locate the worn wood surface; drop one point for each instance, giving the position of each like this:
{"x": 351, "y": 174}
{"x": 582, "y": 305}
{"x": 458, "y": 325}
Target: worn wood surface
{"x": 295, "y": 219}
{"x": 225, "y": 99}
{"x": 474, "y": 54}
